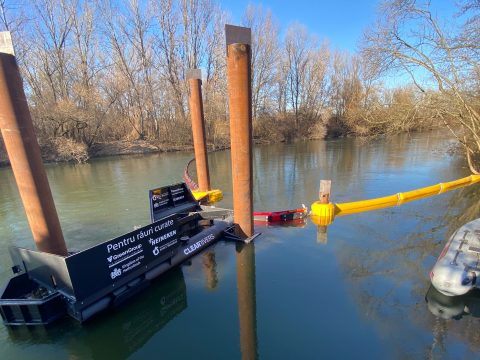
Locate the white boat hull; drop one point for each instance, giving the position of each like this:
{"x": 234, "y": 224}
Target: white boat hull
{"x": 457, "y": 268}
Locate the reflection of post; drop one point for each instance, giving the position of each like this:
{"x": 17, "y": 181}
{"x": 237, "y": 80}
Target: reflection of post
{"x": 247, "y": 301}
{"x": 24, "y": 155}
{"x": 322, "y": 234}
{"x": 198, "y": 128}
{"x": 210, "y": 268}
{"x": 240, "y": 108}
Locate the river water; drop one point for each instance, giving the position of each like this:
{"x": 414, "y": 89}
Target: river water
{"x": 357, "y": 291}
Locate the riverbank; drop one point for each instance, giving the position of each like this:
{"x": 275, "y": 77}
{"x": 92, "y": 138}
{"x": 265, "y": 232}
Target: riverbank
{"x": 78, "y": 153}
{"x": 65, "y": 150}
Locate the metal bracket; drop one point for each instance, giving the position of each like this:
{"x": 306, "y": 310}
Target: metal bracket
{"x": 251, "y": 238}
{"x": 229, "y": 234}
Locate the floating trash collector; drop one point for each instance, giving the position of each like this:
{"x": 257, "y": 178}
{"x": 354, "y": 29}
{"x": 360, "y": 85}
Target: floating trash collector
{"x": 48, "y": 286}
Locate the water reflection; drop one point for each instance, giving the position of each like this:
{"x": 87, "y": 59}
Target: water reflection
{"x": 121, "y": 332}
{"x": 322, "y": 235}
{"x": 296, "y": 223}
{"x": 210, "y": 269}
{"x": 114, "y": 335}
{"x": 387, "y": 262}
{"x": 453, "y": 317}
{"x": 246, "y": 293}
{"x": 285, "y": 296}
{"x": 453, "y": 307}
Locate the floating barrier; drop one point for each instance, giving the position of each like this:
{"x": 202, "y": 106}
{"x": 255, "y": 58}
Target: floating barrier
{"x": 325, "y": 213}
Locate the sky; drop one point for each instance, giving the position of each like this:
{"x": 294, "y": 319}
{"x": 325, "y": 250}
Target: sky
{"x": 342, "y": 22}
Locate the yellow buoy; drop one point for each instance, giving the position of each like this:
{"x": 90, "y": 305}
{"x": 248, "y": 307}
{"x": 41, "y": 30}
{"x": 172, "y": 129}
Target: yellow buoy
{"x": 323, "y": 214}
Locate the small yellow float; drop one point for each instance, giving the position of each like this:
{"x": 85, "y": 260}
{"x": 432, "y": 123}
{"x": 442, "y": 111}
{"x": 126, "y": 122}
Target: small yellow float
{"x": 205, "y": 197}
{"x": 210, "y": 196}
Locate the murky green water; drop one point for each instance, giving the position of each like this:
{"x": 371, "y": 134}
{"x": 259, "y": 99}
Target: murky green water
{"x": 358, "y": 293}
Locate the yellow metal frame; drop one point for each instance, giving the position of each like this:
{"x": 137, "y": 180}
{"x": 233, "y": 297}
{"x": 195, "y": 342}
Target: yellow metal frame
{"x": 324, "y": 211}
{"x": 211, "y": 196}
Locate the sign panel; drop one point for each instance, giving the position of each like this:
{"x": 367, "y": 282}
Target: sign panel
{"x": 160, "y": 199}
{"x": 113, "y": 263}
{"x": 164, "y": 200}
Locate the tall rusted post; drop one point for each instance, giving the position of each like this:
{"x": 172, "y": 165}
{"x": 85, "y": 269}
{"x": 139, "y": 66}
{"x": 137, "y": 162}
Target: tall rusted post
{"x": 24, "y": 155}
{"x": 240, "y": 109}
{"x": 195, "y": 102}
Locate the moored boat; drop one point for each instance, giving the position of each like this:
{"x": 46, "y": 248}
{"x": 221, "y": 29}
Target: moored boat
{"x": 457, "y": 268}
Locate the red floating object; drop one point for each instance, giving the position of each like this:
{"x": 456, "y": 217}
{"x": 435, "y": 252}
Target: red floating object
{"x": 280, "y": 216}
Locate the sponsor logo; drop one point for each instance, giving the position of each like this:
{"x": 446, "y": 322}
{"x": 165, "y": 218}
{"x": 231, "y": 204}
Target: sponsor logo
{"x": 115, "y": 273}
{"x": 132, "y": 264}
{"x": 163, "y": 237}
{"x": 199, "y": 244}
{"x": 160, "y": 200}
{"x": 119, "y": 258}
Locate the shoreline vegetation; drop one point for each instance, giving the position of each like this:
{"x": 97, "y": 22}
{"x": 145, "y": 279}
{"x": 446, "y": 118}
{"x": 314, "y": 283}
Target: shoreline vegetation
{"x": 108, "y": 78}
{"x": 72, "y": 152}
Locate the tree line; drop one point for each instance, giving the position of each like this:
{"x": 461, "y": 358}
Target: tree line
{"x": 101, "y": 70}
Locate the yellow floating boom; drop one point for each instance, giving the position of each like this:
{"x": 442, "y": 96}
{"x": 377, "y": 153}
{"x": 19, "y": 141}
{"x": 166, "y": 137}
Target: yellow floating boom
{"x": 331, "y": 210}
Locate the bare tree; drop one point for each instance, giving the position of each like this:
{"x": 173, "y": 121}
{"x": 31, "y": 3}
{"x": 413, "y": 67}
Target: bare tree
{"x": 102, "y": 70}
{"x": 346, "y": 86}
{"x": 265, "y": 57}
{"x": 168, "y": 46}
{"x": 298, "y": 44}
{"x": 197, "y": 16}
{"x": 12, "y": 16}
{"x": 410, "y": 38}
{"x": 215, "y": 81}
{"x": 53, "y": 25}
{"x": 315, "y": 91}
